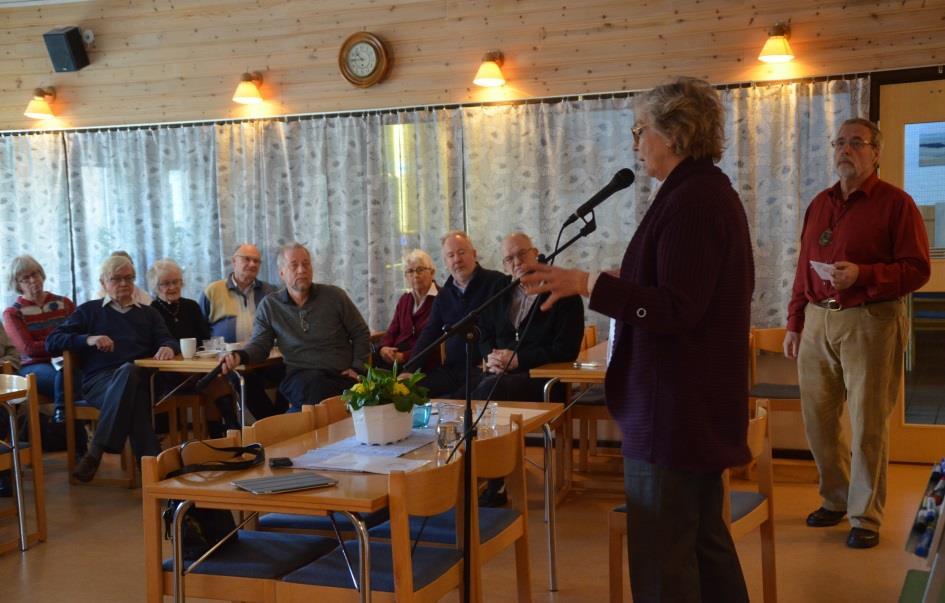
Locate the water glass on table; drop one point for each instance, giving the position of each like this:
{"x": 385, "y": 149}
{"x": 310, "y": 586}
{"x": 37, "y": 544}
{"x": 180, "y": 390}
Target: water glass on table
{"x": 449, "y": 425}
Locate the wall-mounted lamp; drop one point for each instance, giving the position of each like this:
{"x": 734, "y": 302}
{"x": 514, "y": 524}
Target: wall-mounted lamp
{"x": 777, "y": 49}
{"x": 39, "y": 106}
{"x": 489, "y": 74}
{"x": 247, "y": 93}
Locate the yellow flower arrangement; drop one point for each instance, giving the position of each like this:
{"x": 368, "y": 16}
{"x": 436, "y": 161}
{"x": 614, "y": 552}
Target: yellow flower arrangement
{"x": 381, "y": 386}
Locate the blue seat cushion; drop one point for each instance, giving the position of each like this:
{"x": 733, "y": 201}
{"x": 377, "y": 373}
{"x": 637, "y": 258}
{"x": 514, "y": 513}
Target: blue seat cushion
{"x": 287, "y": 521}
{"x": 331, "y": 570}
{"x": 5, "y": 449}
{"x": 780, "y": 391}
{"x": 744, "y": 502}
{"x": 441, "y": 528}
{"x": 262, "y": 555}
{"x": 621, "y": 509}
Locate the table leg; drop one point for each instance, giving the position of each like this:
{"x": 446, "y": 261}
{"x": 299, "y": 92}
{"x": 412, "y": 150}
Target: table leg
{"x": 152, "y": 549}
{"x": 179, "y": 513}
{"x": 364, "y": 546}
{"x": 552, "y": 533}
{"x": 18, "y": 471}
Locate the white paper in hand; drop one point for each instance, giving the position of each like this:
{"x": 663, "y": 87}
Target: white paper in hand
{"x": 824, "y": 271}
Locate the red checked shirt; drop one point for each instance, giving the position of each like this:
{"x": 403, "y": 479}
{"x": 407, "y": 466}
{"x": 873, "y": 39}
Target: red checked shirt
{"x": 878, "y": 228}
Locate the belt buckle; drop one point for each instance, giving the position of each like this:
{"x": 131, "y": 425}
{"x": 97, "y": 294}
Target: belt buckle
{"x": 832, "y": 305}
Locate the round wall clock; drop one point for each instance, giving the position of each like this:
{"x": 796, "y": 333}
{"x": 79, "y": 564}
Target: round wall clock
{"x": 363, "y": 59}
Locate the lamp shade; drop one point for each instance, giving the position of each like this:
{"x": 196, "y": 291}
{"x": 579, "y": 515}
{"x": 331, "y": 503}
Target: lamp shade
{"x": 39, "y": 108}
{"x": 489, "y": 74}
{"x": 776, "y": 50}
{"x": 247, "y": 93}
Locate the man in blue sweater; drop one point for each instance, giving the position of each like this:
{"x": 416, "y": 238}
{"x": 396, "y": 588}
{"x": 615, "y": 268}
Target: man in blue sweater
{"x": 109, "y": 334}
{"x": 468, "y": 286}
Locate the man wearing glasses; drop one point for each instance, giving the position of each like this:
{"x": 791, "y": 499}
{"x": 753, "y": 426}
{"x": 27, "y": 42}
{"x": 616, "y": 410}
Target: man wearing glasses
{"x": 515, "y": 322}
{"x": 323, "y": 338}
{"x": 109, "y": 334}
{"x": 863, "y": 248}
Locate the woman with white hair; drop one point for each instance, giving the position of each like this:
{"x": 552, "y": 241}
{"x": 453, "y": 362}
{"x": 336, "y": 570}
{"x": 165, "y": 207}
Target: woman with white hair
{"x": 33, "y": 316}
{"x": 181, "y": 315}
{"x": 108, "y": 335}
{"x": 412, "y": 312}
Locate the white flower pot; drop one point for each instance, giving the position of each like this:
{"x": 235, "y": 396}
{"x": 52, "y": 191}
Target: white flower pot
{"x": 381, "y": 424}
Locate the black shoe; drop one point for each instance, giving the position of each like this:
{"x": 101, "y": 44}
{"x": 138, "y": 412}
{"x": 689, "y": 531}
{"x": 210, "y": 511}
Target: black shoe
{"x": 861, "y": 538}
{"x": 59, "y": 416}
{"x": 6, "y": 486}
{"x": 85, "y": 470}
{"x": 823, "y": 518}
{"x": 495, "y": 495}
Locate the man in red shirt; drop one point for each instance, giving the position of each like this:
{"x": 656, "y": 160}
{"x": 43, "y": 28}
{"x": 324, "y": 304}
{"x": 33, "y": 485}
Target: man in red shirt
{"x": 863, "y": 248}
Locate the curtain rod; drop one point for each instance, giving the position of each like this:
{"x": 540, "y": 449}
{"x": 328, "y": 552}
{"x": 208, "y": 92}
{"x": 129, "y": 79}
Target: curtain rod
{"x": 419, "y": 108}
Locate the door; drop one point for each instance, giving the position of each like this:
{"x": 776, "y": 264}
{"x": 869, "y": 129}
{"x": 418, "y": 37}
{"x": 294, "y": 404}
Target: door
{"x": 912, "y": 119}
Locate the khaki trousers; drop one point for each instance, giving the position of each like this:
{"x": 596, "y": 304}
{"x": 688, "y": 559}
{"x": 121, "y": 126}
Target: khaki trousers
{"x": 856, "y": 355}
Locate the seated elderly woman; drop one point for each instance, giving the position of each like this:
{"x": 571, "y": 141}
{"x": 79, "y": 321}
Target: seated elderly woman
{"x": 34, "y": 314}
{"x": 412, "y": 312}
{"x": 108, "y": 335}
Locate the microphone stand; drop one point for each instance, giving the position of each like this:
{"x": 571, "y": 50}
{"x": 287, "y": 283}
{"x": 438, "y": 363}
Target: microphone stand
{"x": 466, "y": 327}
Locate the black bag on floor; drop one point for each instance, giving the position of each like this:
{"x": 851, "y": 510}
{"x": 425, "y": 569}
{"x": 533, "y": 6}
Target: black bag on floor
{"x": 201, "y": 529}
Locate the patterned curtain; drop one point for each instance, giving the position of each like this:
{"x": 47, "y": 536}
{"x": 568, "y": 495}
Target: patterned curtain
{"x": 150, "y": 192}
{"x": 35, "y": 210}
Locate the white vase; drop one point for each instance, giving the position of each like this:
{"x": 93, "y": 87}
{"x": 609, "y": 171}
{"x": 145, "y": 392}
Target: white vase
{"x": 382, "y": 424}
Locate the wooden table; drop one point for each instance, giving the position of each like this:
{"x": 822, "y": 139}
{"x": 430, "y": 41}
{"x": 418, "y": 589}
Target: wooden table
{"x": 589, "y": 368}
{"x": 354, "y": 492}
{"x": 202, "y": 366}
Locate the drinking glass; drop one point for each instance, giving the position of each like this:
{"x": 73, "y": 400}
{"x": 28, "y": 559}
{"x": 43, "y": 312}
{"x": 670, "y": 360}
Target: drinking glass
{"x": 449, "y": 425}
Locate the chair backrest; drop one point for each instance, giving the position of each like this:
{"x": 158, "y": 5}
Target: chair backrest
{"x": 764, "y": 340}
{"x": 501, "y": 455}
{"x": 282, "y": 427}
{"x": 154, "y": 469}
{"x": 759, "y": 443}
{"x": 331, "y": 410}
{"x": 590, "y": 337}
{"x": 420, "y": 493}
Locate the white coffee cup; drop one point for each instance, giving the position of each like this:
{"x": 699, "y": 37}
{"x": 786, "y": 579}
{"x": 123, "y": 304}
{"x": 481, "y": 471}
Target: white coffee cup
{"x": 188, "y": 347}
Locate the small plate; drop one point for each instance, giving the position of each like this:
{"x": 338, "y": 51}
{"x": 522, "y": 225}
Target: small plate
{"x": 206, "y": 354}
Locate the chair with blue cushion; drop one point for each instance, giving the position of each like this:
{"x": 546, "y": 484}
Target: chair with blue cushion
{"x": 499, "y": 528}
{"x": 30, "y": 455}
{"x": 399, "y": 572}
{"x": 80, "y": 410}
{"x": 743, "y": 510}
{"x": 278, "y": 428}
{"x": 246, "y": 567}
{"x": 770, "y": 341}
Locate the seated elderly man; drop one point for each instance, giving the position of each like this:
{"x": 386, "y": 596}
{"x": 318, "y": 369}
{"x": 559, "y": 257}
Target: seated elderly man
{"x": 322, "y": 336}
{"x": 108, "y": 335}
{"x": 412, "y": 312}
{"x": 515, "y": 320}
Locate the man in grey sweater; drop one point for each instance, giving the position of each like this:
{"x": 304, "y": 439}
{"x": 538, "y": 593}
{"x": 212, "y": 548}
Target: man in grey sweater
{"x": 323, "y": 338}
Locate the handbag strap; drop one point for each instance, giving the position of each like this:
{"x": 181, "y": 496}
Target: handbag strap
{"x": 256, "y": 450}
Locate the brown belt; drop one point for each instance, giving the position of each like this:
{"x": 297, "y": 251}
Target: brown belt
{"x": 834, "y": 306}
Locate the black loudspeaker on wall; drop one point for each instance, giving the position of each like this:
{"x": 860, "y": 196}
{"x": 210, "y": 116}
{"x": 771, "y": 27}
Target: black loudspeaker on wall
{"x": 66, "y": 50}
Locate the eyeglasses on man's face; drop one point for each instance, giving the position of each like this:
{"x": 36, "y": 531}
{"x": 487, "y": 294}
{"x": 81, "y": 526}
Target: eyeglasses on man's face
{"x": 856, "y": 144}
{"x": 118, "y": 280}
{"x": 520, "y": 256}
{"x": 418, "y": 271}
{"x": 248, "y": 259}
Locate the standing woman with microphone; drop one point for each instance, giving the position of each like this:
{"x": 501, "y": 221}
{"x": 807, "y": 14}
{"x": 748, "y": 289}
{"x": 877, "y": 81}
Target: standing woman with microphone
{"x": 677, "y": 383}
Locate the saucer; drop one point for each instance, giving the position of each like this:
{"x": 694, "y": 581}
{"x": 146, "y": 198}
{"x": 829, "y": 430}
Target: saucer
{"x": 206, "y": 354}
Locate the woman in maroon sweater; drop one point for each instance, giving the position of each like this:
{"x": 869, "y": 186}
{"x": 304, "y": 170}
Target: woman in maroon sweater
{"x": 413, "y": 310}
{"x": 677, "y": 380}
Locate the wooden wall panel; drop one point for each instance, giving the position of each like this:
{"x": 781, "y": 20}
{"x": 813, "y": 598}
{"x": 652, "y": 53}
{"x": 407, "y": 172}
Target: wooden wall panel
{"x": 179, "y": 60}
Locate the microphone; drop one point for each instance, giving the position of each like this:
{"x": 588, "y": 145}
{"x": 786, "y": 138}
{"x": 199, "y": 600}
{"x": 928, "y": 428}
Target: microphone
{"x": 621, "y": 180}
{"x": 206, "y": 379}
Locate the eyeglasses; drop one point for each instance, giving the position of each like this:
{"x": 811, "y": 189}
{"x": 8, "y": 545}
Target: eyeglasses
{"x": 855, "y": 143}
{"x": 302, "y": 322}
{"x": 171, "y": 283}
{"x": 520, "y": 256}
{"x": 637, "y": 131}
{"x": 248, "y": 259}
{"x": 29, "y": 276}
{"x": 413, "y": 271}
{"x": 117, "y": 280}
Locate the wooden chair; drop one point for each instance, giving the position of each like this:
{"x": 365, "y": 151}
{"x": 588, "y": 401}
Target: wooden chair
{"x": 79, "y": 410}
{"x": 588, "y": 411}
{"x": 282, "y": 427}
{"x": 244, "y": 568}
{"x": 30, "y": 455}
{"x": 743, "y": 512}
{"x": 399, "y": 572}
{"x": 498, "y": 457}
{"x": 770, "y": 340}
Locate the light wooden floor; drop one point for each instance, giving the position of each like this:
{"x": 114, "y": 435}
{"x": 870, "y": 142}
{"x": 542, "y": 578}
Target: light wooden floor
{"x": 94, "y": 553}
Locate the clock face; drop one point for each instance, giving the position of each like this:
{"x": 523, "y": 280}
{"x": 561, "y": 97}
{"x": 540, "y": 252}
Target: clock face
{"x": 362, "y": 59}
